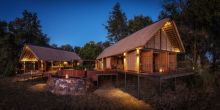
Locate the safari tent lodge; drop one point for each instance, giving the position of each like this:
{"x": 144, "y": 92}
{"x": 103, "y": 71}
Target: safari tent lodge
{"x": 43, "y": 59}
{"x": 149, "y": 50}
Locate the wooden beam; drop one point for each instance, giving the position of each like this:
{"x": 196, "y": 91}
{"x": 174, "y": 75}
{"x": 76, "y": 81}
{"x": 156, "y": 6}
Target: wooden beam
{"x": 160, "y": 39}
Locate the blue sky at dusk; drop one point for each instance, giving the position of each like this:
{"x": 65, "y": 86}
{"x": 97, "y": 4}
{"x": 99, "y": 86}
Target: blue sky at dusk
{"x": 76, "y": 22}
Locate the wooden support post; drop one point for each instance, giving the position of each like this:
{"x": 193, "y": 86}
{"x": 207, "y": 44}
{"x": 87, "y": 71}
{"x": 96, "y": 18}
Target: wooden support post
{"x": 97, "y": 81}
{"x": 117, "y": 80}
{"x": 24, "y": 66}
{"x": 160, "y": 86}
{"x": 125, "y": 81}
{"x": 34, "y": 66}
{"x": 175, "y": 83}
{"x": 138, "y": 86}
{"x": 31, "y": 76}
{"x": 102, "y": 64}
{"x": 52, "y": 65}
{"x": 42, "y": 65}
{"x": 72, "y": 64}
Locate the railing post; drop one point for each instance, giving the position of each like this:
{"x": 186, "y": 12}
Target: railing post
{"x": 117, "y": 79}
{"x": 160, "y": 86}
{"x": 138, "y": 86}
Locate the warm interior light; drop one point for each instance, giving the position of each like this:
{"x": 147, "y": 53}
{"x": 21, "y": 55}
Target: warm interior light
{"x": 66, "y": 76}
{"x": 176, "y": 50}
{"x": 78, "y": 63}
{"x": 160, "y": 70}
{"x": 65, "y": 63}
{"x": 167, "y": 24}
{"x": 125, "y": 64}
{"x": 137, "y": 63}
{"x": 28, "y": 59}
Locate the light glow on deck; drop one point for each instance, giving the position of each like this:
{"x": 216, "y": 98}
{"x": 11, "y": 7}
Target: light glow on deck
{"x": 67, "y": 76}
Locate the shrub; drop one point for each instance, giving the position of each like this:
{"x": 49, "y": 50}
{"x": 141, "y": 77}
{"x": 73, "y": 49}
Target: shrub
{"x": 189, "y": 94}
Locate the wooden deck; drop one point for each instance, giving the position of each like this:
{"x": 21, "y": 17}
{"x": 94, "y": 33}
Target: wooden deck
{"x": 160, "y": 75}
{"x": 33, "y": 75}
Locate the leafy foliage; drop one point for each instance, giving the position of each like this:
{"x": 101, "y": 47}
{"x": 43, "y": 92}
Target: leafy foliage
{"x": 138, "y": 22}
{"x": 27, "y": 30}
{"x": 67, "y": 47}
{"x": 13, "y": 36}
{"x": 90, "y": 51}
{"x": 197, "y": 22}
{"x": 184, "y": 98}
{"x": 77, "y": 49}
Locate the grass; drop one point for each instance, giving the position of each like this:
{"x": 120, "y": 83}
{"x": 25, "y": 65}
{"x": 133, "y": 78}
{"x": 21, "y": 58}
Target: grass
{"x": 22, "y": 96}
{"x": 33, "y": 96}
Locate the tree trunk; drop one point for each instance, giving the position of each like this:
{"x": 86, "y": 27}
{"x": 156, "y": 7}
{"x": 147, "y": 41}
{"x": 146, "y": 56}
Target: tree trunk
{"x": 213, "y": 59}
{"x": 195, "y": 56}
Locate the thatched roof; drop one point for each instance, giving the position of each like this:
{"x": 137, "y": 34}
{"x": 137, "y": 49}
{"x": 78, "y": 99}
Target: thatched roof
{"x": 50, "y": 54}
{"x": 138, "y": 39}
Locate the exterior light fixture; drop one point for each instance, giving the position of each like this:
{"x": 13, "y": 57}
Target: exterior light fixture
{"x": 66, "y": 76}
{"x": 125, "y": 54}
{"x": 160, "y": 70}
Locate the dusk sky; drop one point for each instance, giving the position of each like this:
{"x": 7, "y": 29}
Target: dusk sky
{"x": 76, "y": 22}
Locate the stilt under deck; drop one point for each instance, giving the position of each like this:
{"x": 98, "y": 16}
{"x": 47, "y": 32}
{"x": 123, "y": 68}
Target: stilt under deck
{"x": 159, "y": 76}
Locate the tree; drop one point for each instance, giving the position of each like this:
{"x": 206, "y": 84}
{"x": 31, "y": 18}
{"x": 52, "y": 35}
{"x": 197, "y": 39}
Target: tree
{"x": 14, "y": 35}
{"x": 192, "y": 18}
{"x": 3, "y": 27}
{"x": 214, "y": 31}
{"x": 198, "y": 23}
{"x": 8, "y": 50}
{"x": 67, "y": 47}
{"x": 104, "y": 45}
{"x": 54, "y": 46}
{"x": 90, "y": 51}
{"x": 116, "y": 24}
{"x": 138, "y": 22}
{"x": 77, "y": 49}
{"x": 27, "y": 30}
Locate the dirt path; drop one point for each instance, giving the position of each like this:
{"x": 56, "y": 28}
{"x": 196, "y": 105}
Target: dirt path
{"x": 121, "y": 97}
